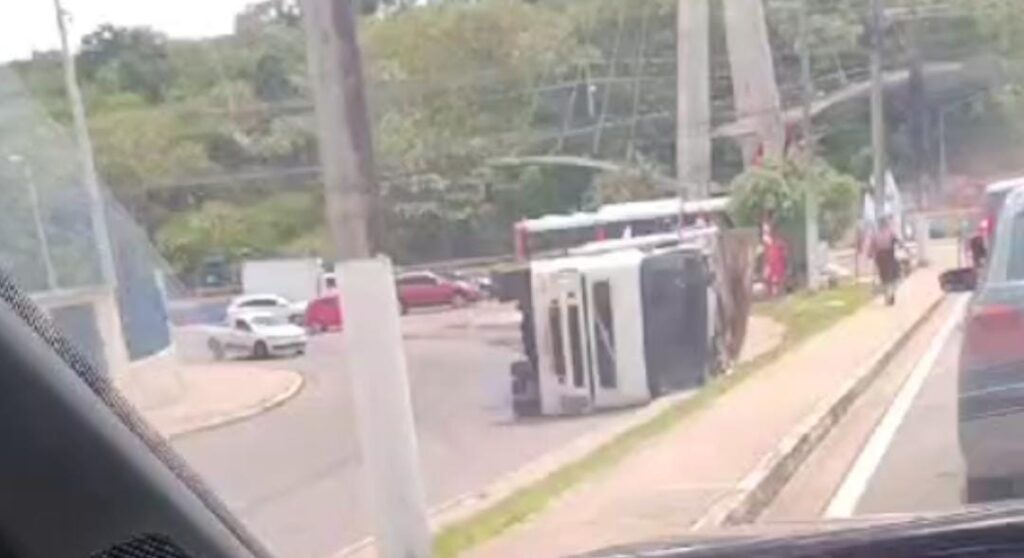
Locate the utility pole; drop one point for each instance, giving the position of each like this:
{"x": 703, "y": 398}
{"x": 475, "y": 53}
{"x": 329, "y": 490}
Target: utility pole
{"x": 877, "y": 108}
{"x": 693, "y": 100}
{"x": 372, "y": 347}
{"x": 811, "y": 240}
{"x": 105, "y": 307}
{"x": 346, "y": 145}
{"x": 97, "y": 205}
{"x": 755, "y": 92}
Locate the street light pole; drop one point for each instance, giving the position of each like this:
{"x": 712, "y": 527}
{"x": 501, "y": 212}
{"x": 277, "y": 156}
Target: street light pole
{"x": 97, "y": 205}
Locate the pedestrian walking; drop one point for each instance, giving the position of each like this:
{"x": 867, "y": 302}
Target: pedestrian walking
{"x": 883, "y": 248}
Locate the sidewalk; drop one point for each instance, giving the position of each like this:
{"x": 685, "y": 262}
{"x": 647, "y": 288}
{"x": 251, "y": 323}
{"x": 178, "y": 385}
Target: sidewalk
{"x": 207, "y": 396}
{"x": 685, "y": 477}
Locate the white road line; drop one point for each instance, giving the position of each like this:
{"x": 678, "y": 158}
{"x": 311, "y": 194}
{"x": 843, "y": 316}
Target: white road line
{"x": 845, "y": 500}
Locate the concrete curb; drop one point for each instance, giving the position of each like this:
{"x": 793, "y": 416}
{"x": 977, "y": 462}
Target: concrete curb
{"x": 260, "y": 407}
{"x": 757, "y": 490}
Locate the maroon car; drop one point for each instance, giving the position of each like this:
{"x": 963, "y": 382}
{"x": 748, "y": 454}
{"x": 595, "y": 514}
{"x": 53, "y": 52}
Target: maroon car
{"x": 425, "y": 288}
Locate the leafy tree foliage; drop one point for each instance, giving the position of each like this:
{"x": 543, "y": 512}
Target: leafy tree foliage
{"x": 777, "y": 192}
{"x": 121, "y": 59}
{"x": 187, "y": 130}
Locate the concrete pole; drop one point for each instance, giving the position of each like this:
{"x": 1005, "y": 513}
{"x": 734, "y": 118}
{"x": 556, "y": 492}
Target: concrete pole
{"x": 693, "y": 100}
{"x": 877, "y": 109}
{"x": 812, "y": 241}
{"x": 346, "y": 144}
{"x": 374, "y": 357}
{"x": 755, "y": 93}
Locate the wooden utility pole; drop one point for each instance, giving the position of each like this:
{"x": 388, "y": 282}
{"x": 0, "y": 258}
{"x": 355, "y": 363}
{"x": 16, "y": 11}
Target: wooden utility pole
{"x": 374, "y": 357}
{"x": 693, "y": 100}
{"x": 877, "y": 108}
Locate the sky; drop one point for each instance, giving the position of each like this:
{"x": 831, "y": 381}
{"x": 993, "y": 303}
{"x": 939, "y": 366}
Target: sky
{"x": 33, "y": 25}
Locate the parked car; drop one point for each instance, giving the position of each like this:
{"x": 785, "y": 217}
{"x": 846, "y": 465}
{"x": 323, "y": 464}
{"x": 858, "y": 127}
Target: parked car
{"x": 991, "y": 368}
{"x": 425, "y": 288}
{"x": 294, "y": 312}
{"x": 323, "y": 314}
{"x": 995, "y": 196}
{"x": 257, "y": 335}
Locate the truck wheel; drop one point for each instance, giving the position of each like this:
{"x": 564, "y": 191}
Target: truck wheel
{"x": 216, "y": 348}
{"x": 260, "y": 350}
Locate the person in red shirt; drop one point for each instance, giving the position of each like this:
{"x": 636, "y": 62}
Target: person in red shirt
{"x": 775, "y": 260}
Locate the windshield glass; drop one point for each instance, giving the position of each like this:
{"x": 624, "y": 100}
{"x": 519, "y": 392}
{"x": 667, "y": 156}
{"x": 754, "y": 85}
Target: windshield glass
{"x": 769, "y": 193}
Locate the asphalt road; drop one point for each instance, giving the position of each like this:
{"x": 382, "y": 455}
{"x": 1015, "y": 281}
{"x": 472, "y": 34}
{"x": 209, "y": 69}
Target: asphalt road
{"x": 293, "y": 475}
{"x": 895, "y": 451}
{"x": 921, "y": 470}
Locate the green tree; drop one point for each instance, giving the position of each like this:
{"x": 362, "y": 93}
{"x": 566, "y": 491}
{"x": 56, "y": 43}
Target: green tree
{"x": 127, "y": 59}
{"x": 777, "y": 191}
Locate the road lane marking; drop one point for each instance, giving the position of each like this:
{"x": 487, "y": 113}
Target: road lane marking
{"x": 845, "y": 500}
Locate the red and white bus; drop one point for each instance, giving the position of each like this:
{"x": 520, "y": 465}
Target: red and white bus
{"x": 555, "y": 234}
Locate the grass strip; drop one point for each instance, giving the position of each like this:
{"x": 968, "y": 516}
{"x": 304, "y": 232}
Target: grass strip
{"x": 802, "y": 315}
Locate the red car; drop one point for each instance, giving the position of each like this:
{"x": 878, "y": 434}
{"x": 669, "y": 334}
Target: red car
{"x": 424, "y": 288}
{"x": 324, "y": 314}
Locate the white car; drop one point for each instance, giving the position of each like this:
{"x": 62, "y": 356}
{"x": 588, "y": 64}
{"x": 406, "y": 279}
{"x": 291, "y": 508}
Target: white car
{"x": 258, "y": 335}
{"x": 294, "y": 312}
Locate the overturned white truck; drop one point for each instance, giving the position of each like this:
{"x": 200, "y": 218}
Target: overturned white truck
{"x": 617, "y": 323}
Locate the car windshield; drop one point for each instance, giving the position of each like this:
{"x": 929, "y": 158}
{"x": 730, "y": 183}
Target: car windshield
{"x": 563, "y": 274}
